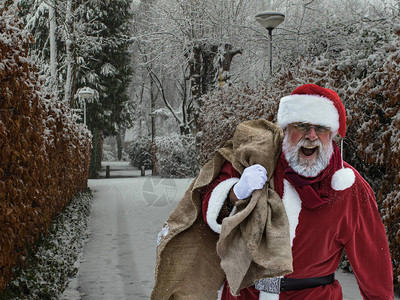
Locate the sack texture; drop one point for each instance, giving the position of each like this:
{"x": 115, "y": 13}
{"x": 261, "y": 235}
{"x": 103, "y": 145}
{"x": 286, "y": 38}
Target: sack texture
{"x": 193, "y": 261}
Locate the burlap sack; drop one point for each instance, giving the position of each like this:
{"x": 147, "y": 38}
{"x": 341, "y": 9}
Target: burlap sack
{"x": 254, "y": 243}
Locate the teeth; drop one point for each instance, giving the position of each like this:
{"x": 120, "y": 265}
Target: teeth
{"x": 309, "y": 147}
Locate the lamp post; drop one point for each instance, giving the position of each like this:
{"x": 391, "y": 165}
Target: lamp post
{"x": 86, "y": 93}
{"x": 270, "y": 20}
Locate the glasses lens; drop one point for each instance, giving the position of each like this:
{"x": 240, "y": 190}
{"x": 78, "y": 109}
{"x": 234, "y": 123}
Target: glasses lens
{"x": 321, "y": 129}
{"x": 304, "y": 127}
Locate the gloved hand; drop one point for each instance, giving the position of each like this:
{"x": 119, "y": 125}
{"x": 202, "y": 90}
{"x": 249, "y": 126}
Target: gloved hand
{"x": 253, "y": 178}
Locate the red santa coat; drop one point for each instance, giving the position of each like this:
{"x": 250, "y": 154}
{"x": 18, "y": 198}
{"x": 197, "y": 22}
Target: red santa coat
{"x": 350, "y": 220}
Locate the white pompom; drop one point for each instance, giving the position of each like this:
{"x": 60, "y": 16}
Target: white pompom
{"x": 343, "y": 179}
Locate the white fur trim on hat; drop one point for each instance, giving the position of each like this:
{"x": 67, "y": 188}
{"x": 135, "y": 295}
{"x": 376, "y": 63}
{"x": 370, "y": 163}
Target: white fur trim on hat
{"x": 217, "y": 199}
{"x": 343, "y": 179}
{"x": 308, "y": 109}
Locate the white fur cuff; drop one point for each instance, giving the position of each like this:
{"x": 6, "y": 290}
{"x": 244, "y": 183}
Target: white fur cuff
{"x": 217, "y": 199}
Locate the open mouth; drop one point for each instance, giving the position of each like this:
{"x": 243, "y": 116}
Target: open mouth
{"x": 308, "y": 151}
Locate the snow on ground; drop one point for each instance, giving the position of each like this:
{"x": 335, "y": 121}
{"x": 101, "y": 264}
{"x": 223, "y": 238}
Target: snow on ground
{"x": 127, "y": 213}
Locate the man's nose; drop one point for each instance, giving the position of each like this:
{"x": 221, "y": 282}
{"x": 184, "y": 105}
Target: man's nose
{"x": 311, "y": 134}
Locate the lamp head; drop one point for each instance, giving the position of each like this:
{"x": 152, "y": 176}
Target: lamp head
{"x": 269, "y": 19}
{"x": 86, "y": 92}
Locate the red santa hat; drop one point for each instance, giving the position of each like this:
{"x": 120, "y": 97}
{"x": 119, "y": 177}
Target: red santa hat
{"x": 313, "y": 104}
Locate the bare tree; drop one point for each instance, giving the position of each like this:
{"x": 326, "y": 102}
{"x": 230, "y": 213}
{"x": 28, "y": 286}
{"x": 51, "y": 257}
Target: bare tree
{"x": 191, "y": 44}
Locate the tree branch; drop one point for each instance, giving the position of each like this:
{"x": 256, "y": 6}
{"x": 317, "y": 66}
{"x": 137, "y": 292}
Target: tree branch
{"x": 160, "y": 88}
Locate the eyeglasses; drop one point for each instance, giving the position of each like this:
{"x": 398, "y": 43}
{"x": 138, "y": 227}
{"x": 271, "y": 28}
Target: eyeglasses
{"x": 305, "y": 127}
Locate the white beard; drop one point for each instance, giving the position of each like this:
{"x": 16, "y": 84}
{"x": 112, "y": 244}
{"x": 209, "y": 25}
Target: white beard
{"x": 307, "y": 168}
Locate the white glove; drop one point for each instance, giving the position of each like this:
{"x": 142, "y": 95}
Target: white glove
{"x": 253, "y": 178}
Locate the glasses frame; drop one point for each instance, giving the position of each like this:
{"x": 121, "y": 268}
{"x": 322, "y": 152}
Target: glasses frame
{"x": 305, "y": 127}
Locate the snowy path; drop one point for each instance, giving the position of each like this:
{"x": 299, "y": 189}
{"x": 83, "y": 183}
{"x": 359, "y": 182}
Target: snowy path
{"x": 127, "y": 214}
{"x": 118, "y": 261}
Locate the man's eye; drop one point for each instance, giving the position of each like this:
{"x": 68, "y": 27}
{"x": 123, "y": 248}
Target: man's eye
{"x": 304, "y": 127}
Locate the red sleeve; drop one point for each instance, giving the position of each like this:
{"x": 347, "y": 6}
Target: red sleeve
{"x": 227, "y": 171}
{"x": 368, "y": 250}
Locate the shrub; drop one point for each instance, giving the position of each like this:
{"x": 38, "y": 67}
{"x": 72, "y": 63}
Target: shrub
{"x": 224, "y": 109}
{"x": 176, "y": 156}
{"x": 51, "y": 262}
{"x": 139, "y": 152}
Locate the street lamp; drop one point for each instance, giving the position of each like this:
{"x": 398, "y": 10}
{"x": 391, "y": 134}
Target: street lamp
{"x": 270, "y": 20}
{"x": 86, "y": 93}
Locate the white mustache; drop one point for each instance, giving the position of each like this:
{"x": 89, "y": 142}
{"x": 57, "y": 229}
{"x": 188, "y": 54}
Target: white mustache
{"x": 309, "y": 144}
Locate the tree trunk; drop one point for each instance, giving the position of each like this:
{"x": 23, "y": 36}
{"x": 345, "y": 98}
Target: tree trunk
{"x": 153, "y": 131}
{"x": 152, "y": 108}
{"x": 119, "y": 137}
{"x": 53, "y": 49}
{"x": 208, "y": 65}
{"x": 94, "y": 155}
{"x": 68, "y": 95}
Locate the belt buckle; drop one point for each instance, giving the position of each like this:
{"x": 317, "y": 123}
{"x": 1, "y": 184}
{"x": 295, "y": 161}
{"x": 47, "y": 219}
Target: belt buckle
{"x": 269, "y": 285}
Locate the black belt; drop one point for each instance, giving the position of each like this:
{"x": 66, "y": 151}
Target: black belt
{"x": 277, "y": 284}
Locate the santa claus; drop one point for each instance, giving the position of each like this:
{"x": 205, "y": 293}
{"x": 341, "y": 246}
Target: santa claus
{"x": 330, "y": 207}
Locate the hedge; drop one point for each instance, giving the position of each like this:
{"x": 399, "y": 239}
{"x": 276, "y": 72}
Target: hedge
{"x": 53, "y": 266}
{"x": 44, "y": 153}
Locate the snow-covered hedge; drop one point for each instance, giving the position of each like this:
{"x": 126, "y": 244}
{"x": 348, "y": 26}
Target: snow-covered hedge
{"x": 176, "y": 156}
{"x": 378, "y": 139}
{"x": 53, "y": 259}
{"x": 139, "y": 152}
{"x": 224, "y": 109}
{"x": 44, "y": 153}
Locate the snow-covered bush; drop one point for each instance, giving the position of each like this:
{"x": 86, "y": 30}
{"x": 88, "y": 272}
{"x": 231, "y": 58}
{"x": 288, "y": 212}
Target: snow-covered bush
{"x": 108, "y": 155}
{"x": 376, "y": 112}
{"x": 176, "y": 156}
{"x": 139, "y": 152}
{"x": 224, "y": 109}
{"x": 52, "y": 260}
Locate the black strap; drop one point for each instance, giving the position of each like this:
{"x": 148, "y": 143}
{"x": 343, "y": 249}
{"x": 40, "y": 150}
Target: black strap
{"x": 291, "y": 284}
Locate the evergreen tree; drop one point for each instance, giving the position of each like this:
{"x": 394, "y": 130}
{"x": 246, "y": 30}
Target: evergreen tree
{"x": 106, "y": 67}
{"x": 90, "y": 48}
